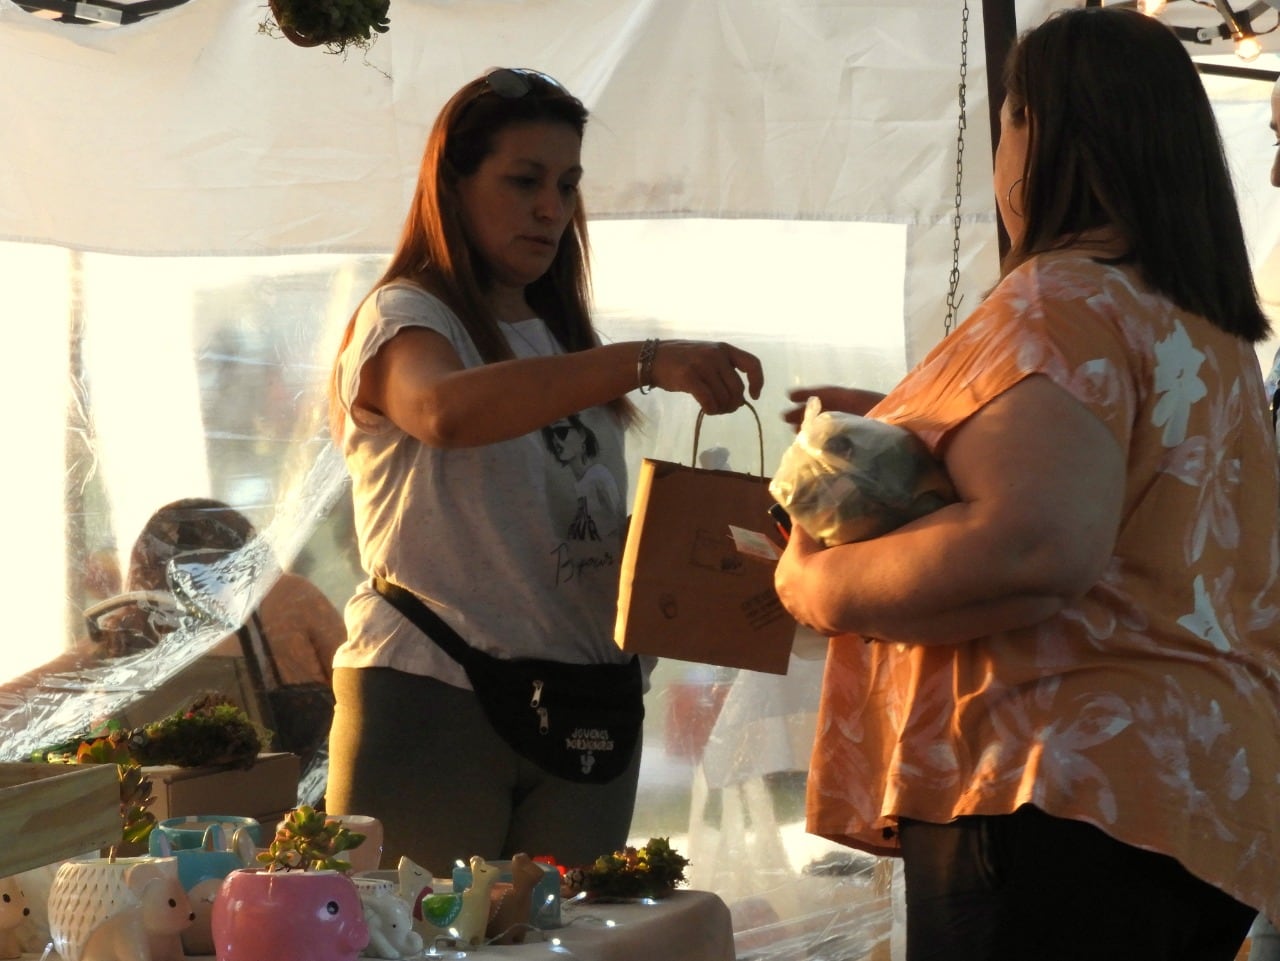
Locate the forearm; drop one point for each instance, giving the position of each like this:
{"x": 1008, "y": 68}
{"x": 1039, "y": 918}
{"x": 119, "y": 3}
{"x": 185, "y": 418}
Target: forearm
{"x": 940, "y": 580}
{"x": 496, "y": 402}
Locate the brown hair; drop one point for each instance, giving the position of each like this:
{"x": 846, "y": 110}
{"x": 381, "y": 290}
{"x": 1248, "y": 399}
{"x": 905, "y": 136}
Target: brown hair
{"x": 434, "y": 252}
{"x": 190, "y": 524}
{"x": 1122, "y": 134}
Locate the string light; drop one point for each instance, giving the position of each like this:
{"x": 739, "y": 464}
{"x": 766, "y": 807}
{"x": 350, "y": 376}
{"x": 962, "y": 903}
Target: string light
{"x": 1237, "y": 26}
{"x": 1248, "y": 47}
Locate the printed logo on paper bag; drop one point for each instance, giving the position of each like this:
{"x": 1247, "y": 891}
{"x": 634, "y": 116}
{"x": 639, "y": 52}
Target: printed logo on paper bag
{"x": 715, "y": 552}
{"x": 763, "y": 609}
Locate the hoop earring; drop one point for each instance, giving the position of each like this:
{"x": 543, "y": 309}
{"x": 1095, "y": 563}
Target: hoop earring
{"x": 1008, "y": 199}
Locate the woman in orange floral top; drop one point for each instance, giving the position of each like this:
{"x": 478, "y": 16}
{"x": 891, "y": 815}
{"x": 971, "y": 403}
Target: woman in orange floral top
{"x": 1058, "y": 699}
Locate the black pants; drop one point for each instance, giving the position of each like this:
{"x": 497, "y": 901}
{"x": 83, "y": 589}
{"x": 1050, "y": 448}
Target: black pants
{"x": 1031, "y": 887}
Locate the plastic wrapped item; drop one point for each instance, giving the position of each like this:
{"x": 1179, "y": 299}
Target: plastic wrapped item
{"x": 848, "y": 478}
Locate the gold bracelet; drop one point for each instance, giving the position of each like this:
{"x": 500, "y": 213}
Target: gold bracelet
{"x": 644, "y": 365}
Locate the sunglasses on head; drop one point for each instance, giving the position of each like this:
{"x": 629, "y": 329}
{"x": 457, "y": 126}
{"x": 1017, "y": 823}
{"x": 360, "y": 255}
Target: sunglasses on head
{"x": 512, "y": 83}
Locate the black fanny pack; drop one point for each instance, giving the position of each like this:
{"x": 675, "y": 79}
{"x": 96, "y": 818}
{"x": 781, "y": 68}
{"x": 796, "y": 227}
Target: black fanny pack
{"x": 580, "y": 722}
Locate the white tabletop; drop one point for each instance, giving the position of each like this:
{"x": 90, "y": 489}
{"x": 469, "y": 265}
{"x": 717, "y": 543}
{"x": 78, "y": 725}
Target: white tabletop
{"x": 686, "y": 926}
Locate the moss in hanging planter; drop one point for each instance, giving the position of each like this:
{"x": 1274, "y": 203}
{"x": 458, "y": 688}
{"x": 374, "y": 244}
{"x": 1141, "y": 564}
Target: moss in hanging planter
{"x": 336, "y": 24}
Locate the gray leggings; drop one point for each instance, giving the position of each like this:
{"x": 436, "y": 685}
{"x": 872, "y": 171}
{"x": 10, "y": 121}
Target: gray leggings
{"x": 419, "y": 755}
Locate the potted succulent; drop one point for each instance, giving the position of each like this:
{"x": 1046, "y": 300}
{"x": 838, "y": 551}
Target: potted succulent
{"x": 334, "y": 24}
{"x": 301, "y": 905}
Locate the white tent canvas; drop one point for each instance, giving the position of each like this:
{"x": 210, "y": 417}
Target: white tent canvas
{"x": 191, "y": 208}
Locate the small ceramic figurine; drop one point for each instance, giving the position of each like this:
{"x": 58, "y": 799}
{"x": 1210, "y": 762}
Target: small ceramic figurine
{"x": 129, "y": 908}
{"x": 389, "y": 919}
{"x": 201, "y": 872}
{"x": 511, "y": 920}
{"x": 463, "y": 917}
{"x": 14, "y": 912}
{"x": 415, "y": 881}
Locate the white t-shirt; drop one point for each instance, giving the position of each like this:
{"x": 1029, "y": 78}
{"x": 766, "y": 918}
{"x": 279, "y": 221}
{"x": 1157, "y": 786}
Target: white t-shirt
{"x": 515, "y": 544}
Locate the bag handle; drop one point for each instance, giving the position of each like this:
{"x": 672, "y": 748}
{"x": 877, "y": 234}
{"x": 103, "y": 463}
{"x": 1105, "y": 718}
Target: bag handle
{"x": 697, "y": 431}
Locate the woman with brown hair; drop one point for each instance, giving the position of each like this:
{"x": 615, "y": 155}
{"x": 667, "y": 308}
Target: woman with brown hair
{"x": 477, "y": 337}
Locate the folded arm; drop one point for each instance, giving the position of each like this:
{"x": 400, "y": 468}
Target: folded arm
{"x": 1040, "y": 482}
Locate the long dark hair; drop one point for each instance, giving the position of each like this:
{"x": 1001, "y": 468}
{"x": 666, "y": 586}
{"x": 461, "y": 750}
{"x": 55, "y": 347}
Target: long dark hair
{"x": 1122, "y": 134}
{"x": 434, "y": 252}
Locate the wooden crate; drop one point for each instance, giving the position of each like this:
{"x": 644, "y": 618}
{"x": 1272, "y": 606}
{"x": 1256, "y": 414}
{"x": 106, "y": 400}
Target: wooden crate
{"x": 53, "y": 811}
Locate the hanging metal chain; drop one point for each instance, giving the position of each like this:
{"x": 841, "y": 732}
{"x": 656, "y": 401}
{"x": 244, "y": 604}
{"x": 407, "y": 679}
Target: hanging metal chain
{"x": 953, "y": 304}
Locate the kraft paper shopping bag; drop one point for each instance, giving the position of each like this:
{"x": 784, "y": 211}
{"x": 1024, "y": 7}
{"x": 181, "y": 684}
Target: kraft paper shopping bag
{"x": 697, "y": 569}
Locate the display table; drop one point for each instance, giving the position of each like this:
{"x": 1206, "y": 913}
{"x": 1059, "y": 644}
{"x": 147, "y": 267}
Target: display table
{"x": 687, "y": 926}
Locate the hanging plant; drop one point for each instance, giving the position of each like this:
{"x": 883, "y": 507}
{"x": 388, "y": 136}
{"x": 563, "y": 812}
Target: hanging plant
{"x": 334, "y": 24}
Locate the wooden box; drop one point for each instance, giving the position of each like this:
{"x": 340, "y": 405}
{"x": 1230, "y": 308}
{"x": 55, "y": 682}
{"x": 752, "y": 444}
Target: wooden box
{"x": 53, "y": 811}
{"x": 263, "y": 791}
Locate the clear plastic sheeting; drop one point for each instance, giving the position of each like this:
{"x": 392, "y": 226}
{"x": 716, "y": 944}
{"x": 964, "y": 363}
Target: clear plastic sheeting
{"x": 190, "y": 210}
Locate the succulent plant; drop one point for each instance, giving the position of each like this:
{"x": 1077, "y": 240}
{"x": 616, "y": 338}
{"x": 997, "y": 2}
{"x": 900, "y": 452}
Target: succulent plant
{"x": 307, "y": 840}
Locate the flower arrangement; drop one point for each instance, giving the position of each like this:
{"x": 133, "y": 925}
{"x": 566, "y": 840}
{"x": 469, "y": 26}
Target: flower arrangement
{"x": 652, "y": 871}
{"x": 308, "y": 841}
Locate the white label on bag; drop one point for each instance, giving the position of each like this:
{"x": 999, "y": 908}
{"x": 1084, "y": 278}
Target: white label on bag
{"x": 753, "y": 543}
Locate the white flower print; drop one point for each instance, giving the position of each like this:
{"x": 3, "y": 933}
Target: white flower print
{"x": 1219, "y": 486}
{"x": 1203, "y": 621}
{"x": 1061, "y": 748}
{"x": 1183, "y": 735}
{"x": 1177, "y": 378}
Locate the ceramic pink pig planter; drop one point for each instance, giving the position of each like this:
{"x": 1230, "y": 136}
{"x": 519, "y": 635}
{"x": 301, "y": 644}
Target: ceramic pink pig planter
{"x": 288, "y": 916}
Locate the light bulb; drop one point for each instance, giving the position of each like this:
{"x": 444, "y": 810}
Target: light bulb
{"x": 1248, "y": 47}
{"x": 1151, "y": 8}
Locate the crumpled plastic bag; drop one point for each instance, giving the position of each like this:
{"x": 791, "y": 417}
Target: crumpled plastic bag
{"x": 848, "y": 478}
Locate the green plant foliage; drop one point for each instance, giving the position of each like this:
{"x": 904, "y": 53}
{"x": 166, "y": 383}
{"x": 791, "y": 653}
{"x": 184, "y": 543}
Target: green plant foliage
{"x": 135, "y": 799}
{"x": 308, "y": 841}
{"x": 334, "y": 22}
{"x": 652, "y": 871}
{"x": 212, "y": 731}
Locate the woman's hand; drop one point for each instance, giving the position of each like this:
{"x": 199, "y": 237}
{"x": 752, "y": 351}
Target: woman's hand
{"x": 847, "y": 400}
{"x": 709, "y": 372}
{"x": 789, "y": 579}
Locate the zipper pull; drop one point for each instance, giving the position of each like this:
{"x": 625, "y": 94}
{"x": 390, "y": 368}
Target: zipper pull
{"x": 543, "y": 724}
{"x": 537, "y": 694}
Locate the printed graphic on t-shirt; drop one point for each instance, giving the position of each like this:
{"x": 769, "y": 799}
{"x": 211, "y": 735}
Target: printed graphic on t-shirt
{"x": 590, "y": 518}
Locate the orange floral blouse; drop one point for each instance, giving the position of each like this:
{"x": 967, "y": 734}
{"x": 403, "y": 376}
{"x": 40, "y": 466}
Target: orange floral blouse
{"x": 1151, "y": 706}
